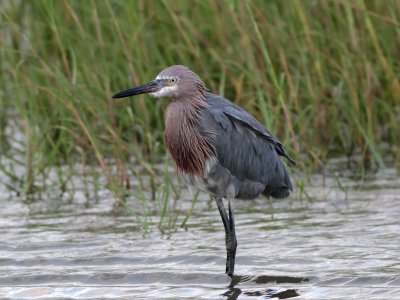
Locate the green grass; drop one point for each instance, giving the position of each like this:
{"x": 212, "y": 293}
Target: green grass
{"x": 322, "y": 75}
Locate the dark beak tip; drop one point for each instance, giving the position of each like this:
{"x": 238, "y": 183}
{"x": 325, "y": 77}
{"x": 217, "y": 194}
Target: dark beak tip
{"x": 141, "y": 89}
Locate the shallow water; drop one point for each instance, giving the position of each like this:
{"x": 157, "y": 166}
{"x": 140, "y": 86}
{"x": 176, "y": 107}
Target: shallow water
{"x": 344, "y": 244}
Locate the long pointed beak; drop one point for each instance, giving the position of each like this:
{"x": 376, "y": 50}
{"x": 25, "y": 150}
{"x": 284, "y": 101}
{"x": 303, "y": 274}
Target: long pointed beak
{"x": 146, "y": 88}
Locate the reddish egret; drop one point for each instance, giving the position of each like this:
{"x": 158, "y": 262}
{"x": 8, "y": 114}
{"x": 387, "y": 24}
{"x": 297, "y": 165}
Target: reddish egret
{"x": 217, "y": 146}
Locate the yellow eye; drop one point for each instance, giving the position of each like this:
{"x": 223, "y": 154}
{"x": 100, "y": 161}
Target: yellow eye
{"x": 173, "y": 80}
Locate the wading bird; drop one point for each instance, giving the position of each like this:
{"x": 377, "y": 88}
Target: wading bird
{"x": 217, "y": 146}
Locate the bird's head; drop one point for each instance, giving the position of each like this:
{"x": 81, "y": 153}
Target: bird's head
{"x": 176, "y": 81}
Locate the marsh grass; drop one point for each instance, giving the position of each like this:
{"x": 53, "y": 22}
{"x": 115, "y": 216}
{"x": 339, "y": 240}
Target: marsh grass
{"x": 322, "y": 75}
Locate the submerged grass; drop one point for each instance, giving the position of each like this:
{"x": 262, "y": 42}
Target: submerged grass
{"x": 322, "y": 75}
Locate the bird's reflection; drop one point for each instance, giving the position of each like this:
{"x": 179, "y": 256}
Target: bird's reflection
{"x": 233, "y": 292}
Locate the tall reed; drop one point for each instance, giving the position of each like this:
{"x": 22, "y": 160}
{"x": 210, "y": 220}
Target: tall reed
{"x": 322, "y": 75}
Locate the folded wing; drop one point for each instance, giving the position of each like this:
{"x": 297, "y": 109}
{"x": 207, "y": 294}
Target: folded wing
{"x": 245, "y": 147}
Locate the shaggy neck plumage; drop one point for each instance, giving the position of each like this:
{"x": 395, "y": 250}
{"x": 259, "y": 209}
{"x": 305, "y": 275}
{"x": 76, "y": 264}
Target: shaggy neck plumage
{"x": 189, "y": 147}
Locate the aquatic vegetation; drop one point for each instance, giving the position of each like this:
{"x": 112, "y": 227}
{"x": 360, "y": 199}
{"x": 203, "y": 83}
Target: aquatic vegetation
{"x": 322, "y": 75}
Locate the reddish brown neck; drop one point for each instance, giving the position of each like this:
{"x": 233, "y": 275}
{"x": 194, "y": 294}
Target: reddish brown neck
{"x": 189, "y": 148}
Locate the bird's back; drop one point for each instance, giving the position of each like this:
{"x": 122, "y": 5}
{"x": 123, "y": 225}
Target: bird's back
{"x": 247, "y": 157}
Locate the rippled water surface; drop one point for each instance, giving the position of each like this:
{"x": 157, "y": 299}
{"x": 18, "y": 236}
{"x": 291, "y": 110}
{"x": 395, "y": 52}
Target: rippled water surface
{"x": 342, "y": 244}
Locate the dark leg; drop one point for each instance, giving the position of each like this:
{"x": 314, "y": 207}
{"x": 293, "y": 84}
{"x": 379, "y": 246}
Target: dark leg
{"x": 230, "y": 235}
{"x": 231, "y": 242}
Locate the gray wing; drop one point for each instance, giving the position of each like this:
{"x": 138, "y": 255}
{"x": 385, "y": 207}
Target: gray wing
{"x": 244, "y": 146}
{"x": 249, "y": 121}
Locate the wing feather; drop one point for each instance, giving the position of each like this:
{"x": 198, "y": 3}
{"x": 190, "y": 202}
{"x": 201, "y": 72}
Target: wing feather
{"x": 243, "y": 145}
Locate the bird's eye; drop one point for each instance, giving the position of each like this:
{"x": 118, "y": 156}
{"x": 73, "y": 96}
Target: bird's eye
{"x": 173, "y": 80}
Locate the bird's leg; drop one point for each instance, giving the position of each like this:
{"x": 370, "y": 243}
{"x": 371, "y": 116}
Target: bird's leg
{"x": 231, "y": 242}
{"x": 230, "y": 236}
{"x": 223, "y": 214}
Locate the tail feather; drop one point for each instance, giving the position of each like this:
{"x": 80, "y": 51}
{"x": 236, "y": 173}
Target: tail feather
{"x": 281, "y": 191}
{"x": 277, "y": 193}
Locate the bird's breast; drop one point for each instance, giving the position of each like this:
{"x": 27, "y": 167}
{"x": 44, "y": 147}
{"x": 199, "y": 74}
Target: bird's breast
{"x": 189, "y": 147}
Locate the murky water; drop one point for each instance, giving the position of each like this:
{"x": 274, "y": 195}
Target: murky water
{"x": 344, "y": 244}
